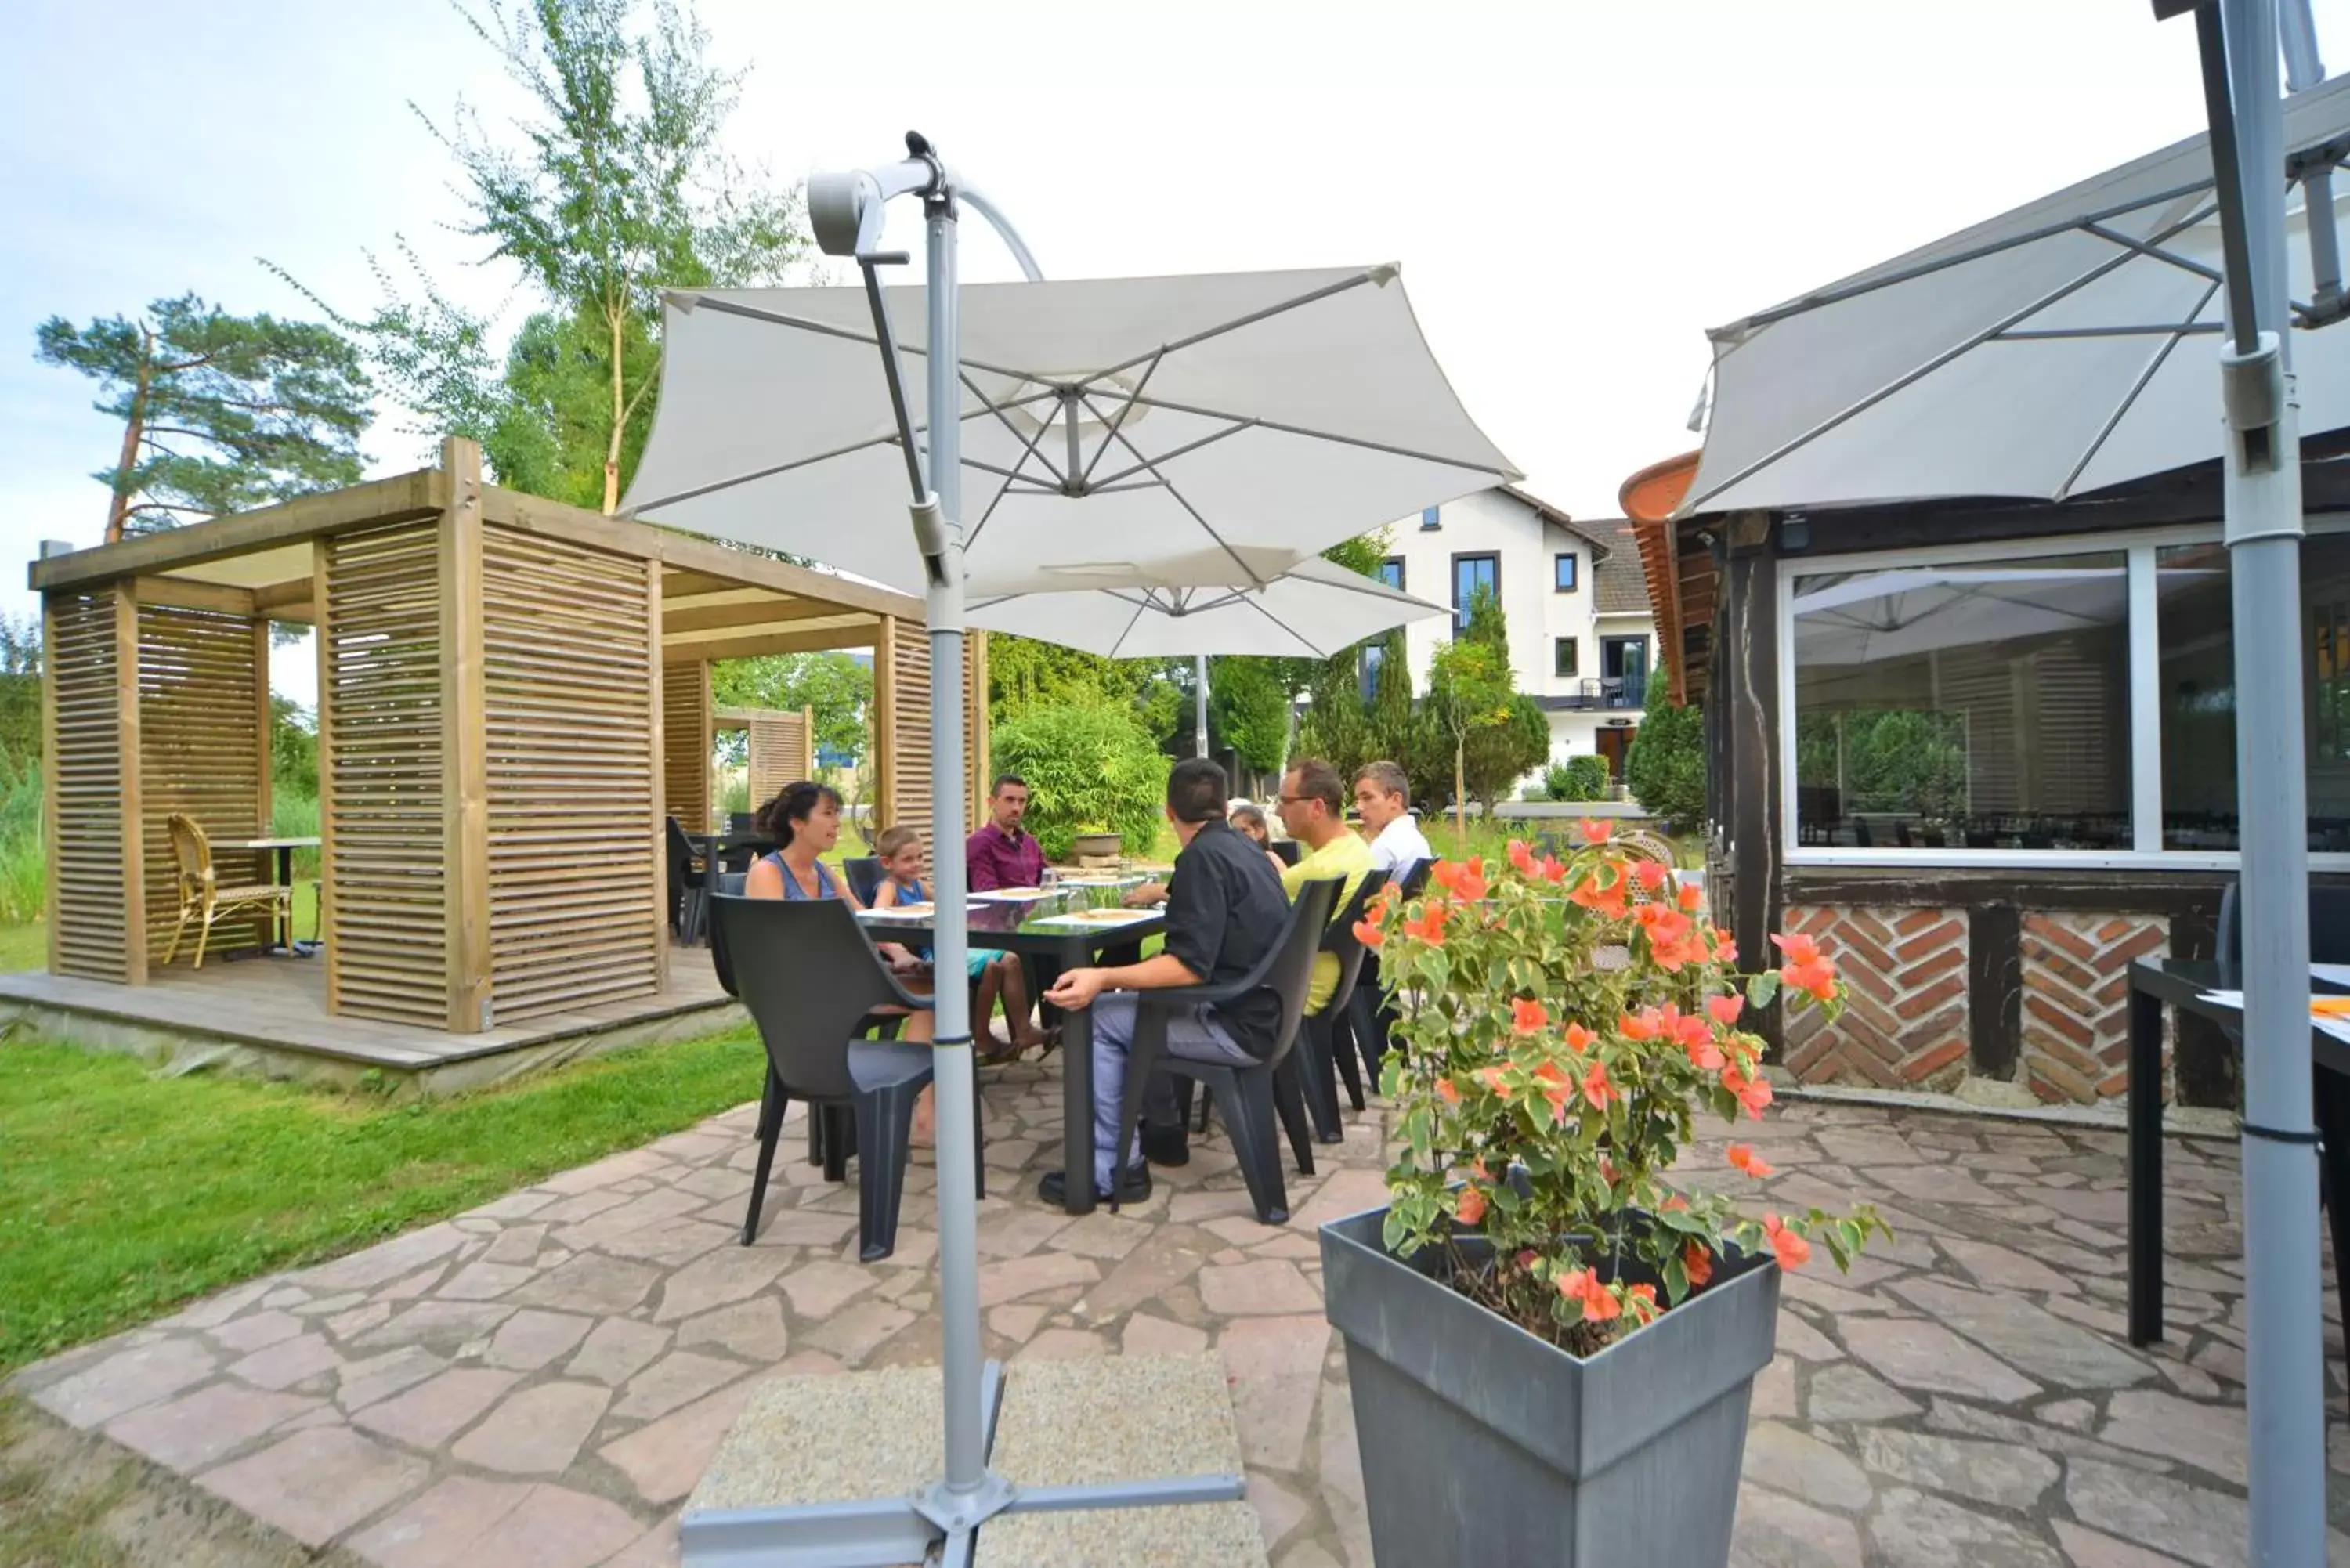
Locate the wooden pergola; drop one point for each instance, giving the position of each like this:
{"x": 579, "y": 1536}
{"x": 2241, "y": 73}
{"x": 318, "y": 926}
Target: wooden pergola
{"x": 513, "y": 694}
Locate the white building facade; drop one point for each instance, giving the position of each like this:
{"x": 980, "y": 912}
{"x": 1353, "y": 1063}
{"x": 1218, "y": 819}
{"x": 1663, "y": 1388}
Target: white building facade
{"x": 1581, "y": 640}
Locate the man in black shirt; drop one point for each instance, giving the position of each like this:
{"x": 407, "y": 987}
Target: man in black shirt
{"x": 1225, "y": 911}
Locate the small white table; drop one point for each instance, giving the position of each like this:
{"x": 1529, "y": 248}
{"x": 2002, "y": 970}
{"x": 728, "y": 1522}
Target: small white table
{"x": 284, "y": 847}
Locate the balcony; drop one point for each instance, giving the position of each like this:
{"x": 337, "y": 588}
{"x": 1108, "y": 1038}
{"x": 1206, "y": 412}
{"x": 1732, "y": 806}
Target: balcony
{"x": 1603, "y": 693}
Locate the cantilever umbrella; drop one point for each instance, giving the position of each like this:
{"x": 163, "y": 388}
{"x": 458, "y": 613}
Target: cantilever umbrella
{"x": 1313, "y": 611}
{"x": 2070, "y": 346}
{"x": 1148, "y": 433}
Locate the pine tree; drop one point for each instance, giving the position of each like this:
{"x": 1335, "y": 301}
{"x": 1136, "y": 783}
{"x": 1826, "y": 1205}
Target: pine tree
{"x": 220, "y": 413}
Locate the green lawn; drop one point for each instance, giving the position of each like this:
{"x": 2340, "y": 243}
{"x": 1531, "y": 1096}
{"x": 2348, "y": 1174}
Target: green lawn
{"x": 123, "y": 1195}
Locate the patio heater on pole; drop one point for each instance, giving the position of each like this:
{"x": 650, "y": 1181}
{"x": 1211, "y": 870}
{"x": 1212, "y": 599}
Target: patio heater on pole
{"x": 2283, "y": 1344}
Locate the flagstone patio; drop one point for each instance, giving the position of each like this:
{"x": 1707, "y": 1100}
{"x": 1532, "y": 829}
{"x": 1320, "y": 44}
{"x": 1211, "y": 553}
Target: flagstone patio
{"x": 539, "y": 1383}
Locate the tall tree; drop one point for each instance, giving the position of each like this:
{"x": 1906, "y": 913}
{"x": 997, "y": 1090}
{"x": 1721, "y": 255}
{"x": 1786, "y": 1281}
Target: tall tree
{"x": 614, "y": 188}
{"x": 219, "y": 412}
{"x": 1471, "y": 692}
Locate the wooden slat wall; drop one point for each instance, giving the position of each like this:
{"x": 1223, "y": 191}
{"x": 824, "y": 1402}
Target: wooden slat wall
{"x": 685, "y": 742}
{"x": 573, "y": 776}
{"x": 782, "y": 752}
{"x": 381, "y": 763}
{"x": 203, "y": 751}
{"x": 90, "y": 917}
{"x": 900, "y": 725}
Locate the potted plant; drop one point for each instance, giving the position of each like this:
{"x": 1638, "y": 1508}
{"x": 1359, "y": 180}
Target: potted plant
{"x": 1094, "y": 841}
{"x": 1551, "y": 1338}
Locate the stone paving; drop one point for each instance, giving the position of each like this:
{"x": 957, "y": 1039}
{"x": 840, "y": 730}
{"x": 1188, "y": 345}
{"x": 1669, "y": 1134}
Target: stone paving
{"x": 539, "y": 1383}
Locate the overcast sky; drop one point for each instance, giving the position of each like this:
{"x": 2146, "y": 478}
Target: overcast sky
{"x": 1575, "y": 191}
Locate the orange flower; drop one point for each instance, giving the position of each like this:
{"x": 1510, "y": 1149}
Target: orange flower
{"x": 1521, "y": 857}
{"x": 1649, "y": 874}
{"x": 1643, "y": 1301}
{"x": 1368, "y": 934}
{"x": 1817, "y": 977}
{"x": 1551, "y": 870}
{"x": 1492, "y": 1078}
{"x": 1429, "y": 927}
{"x": 1573, "y": 1285}
{"x": 1607, "y": 898}
{"x": 1597, "y": 1088}
{"x": 1464, "y": 879}
{"x": 1724, "y": 949}
{"x": 1528, "y": 1017}
{"x": 1691, "y": 897}
{"x": 1698, "y": 1263}
{"x": 1752, "y": 1093}
{"x": 1791, "y": 1250}
{"x": 1560, "y": 1089}
{"x": 1643, "y": 1025}
{"x": 1579, "y": 1039}
{"x": 1725, "y": 1009}
{"x": 1593, "y": 832}
{"x": 1447, "y": 1093}
{"x": 1470, "y": 1208}
{"x": 1705, "y": 1056}
{"x": 1599, "y": 1303}
{"x": 1743, "y": 1156}
{"x": 1799, "y": 948}
{"x": 1674, "y": 1202}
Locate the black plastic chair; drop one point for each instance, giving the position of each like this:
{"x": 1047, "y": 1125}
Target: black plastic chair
{"x": 1330, "y": 1032}
{"x": 864, "y": 877}
{"x": 686, "y": 893}
{"x": 809, "y": 978}
{"x": 1244, "y": 1093}
{"x": 2329, "y": 930}
{"x": 1287, "y": 850}
{"x": 1371, "y": 1010}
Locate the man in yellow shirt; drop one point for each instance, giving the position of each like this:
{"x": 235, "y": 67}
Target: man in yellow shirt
{"x": 1312, "y": 807}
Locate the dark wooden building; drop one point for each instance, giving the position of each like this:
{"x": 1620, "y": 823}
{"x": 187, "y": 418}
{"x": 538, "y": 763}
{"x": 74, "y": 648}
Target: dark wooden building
{"x": 1987, "y": 749}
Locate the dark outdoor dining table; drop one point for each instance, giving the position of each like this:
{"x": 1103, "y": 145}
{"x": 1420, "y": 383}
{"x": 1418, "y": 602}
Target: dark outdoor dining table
{"x": 714, "y": 847}
{"x": 1015, "y": 928}
{"x": 2155, "y": 984}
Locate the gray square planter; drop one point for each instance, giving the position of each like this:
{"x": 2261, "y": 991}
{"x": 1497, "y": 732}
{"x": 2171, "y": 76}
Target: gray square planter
{"x": 1483, "y": 1444}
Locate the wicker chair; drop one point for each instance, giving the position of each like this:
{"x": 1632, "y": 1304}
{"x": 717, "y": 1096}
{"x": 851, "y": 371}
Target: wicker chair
{"x": 203, "y": 898}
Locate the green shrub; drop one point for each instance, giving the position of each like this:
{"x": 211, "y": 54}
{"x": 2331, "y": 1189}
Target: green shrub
{"x": 1666, "y": 767}
{"x": 294, "y": 814}
{"x": 1090, "y": 769}
{"x": 24, "y": 857}
{"x": 1558, "y": 784}
{"x": 1588, "y": 779}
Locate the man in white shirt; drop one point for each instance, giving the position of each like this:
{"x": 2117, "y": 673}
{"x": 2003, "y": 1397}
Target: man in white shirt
{"x": 1383, "y": 798}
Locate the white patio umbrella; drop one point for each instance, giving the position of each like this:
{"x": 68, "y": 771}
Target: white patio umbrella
{"x": 2038, "y": 355}
{"x": 1313, "y": 611}
{"x": 1152, "y": 433}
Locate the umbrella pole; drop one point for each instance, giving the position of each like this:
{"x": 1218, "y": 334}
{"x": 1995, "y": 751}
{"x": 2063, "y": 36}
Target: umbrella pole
{"x": 2283, "y": 1342}
{"x": 970, "y": 1492}
{"x": 1199, "y": 710}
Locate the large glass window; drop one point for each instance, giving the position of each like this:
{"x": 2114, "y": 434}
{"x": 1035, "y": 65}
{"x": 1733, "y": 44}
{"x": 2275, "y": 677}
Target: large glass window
{"x": 2198, "y": 695}
{"x": 1471, "y": 574}
{"x": 1982, "y": 705}
{"x": 1391, "y": 572}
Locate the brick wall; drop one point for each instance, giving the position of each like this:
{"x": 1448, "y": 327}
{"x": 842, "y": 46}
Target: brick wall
{"x": 1905, "y": 1024}
{"x": 2076, "y": 1027}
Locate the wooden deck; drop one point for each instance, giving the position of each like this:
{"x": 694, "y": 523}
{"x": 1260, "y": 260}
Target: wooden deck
{"x": 268, "y": 1016}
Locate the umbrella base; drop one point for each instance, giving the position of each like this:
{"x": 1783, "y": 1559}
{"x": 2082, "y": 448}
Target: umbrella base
{"x": 841, "y": 1471}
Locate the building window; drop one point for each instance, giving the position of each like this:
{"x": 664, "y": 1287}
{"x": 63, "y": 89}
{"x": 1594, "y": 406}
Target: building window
{"x": 1624, "y": 671}
{"x": 1471, "y": 576}
{"x": 1982, "y": 704}
{"x": 1431, "y": 519}
{"x": 1563, "y": 573}
{"x": 1373, "y": 653}
{"x": 1563, "y": 654}
{"x": 1391, "y": 572}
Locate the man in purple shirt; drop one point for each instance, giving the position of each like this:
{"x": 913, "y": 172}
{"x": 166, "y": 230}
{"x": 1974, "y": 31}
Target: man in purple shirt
{"x": 1002, "y": 854}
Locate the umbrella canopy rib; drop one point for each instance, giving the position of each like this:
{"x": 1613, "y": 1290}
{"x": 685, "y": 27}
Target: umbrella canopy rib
{"x": 2138, "y": 388}
{"x": 1205, "y": 526}
{"x": 1965, "y": 346}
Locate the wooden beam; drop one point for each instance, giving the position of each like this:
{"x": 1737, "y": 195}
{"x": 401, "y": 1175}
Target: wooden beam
{"x": 325, "y": 640}
{"x": 402, "y": 498}
{"x": 134, "y": 826}
{"x": 680, "y": 584}
{"x": 752, "y": 647}
{"x": 280, "y": 600}
{"x": 626, "y": 537}
{"x": 657, "y": 830}
{"x": 882, "y": 729}
{"x": 49, "y": 757}
{"x": 760, "y": 609}
{"x": 180, "y": 593}
{"x": 465, "y": 813}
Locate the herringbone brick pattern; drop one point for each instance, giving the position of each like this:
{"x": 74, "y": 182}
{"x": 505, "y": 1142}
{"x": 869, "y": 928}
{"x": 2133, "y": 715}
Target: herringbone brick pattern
{"x": 1905, "y": 1020}
{"x": 2076, "y": 1000}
